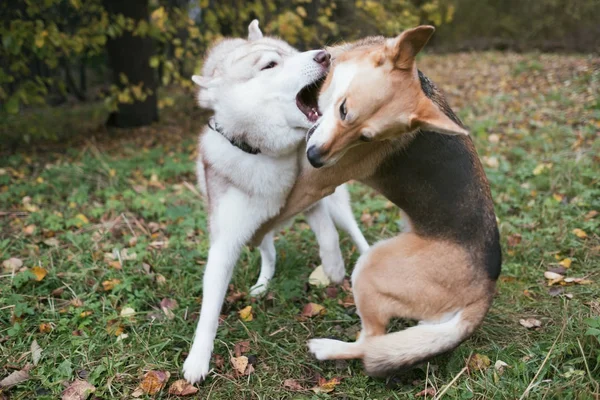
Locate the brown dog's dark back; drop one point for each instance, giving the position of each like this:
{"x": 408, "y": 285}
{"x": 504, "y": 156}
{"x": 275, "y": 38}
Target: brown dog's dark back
{"x": 439, "y": 182}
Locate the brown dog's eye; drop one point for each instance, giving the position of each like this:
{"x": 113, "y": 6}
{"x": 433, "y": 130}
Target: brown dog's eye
{"x": 343, "y": 110}
{"x": 270, "y": 65}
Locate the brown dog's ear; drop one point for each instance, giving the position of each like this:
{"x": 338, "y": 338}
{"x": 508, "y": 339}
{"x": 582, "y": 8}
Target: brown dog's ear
{"x": 338, "y": 49}
{"x": 403, "y": 49}
{"x": 429, "y": 117}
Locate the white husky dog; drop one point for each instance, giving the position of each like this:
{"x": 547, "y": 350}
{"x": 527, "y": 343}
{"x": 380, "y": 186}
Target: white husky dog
{"x": 264, "y": 96}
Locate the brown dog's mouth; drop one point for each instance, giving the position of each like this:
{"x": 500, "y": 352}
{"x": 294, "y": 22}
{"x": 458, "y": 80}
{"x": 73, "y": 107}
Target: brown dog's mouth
{"x": 307, "y": 100}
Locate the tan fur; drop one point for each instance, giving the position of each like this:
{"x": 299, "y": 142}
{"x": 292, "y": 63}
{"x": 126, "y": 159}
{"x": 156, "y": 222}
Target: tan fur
{"x": 430, "y": 279}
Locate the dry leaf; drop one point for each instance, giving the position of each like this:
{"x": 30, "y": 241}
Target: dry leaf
{"x": 530, "y": 323}
{"x": 182, "y": 387}
{"x": 36, "y": 352}
{"x": 166, "y": 305}
{"x": 160, "y": 279}
{"x": 109, "y": 285}
{"x": 312, "y": 310}
{"x": 479, "y": 362}
{"x": 78, "y": 390}
{"x": 115, "y": 264}
{"x": 590, "y": 215}
{"x": 579, "y": 281}
{"x": 76, "y": 302}
{"x": 234, "y": 295}
{"x": 81, "y": 220}
{"x": 580, "y": 233}
{"x": 292, "y": 384}
{"x": 429, "y": 392}
{"x": 318, "y": 277}
{"x": 553, "y": 277}
{"x": 499, "y": 366}
{"x": 12, "y": 264}
{"x": 566, "y": 263}
{"x": 29, "y": 230}
{"x": 219, "y": 361}
{"x": 52, "y": 242}
{"x": 127, "y": 312}
{"x": 239, "y": 363}
{"x": 246, "y": 314}
{"x": 241, "y": 348}
{"x": 514, "y": 240}
{"x": 39, "y": 272}
{"x": 16, "y": 377}
{"x": 45, "y": 327}
{"x": 326, "y": 386}
{"x": 152, "y": 383}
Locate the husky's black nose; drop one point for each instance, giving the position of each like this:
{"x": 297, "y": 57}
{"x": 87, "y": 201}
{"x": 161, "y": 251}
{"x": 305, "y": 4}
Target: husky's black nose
{"x": 323, "y": 58}
{"x": 314, "y": 156}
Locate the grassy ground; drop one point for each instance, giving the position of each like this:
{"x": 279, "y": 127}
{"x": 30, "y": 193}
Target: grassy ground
{"x": 115, "y": 225}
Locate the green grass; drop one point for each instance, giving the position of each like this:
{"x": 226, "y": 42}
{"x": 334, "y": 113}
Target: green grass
{"x": 127, "y": 191}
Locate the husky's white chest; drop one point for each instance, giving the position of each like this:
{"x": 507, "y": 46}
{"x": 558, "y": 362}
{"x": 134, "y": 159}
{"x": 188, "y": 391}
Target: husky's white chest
{"x": 256, "y": 175}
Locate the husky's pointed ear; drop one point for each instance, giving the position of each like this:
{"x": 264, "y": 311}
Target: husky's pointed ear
{"x": 254, "y": 32}
{"x": 429, "y": 117}
{"x": 204, "y": 81}
{"x": 403, "y": 49}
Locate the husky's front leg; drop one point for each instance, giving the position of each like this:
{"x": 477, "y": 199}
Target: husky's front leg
{"x": 321, "y": 223}
{"x": 267, "y": 265}
{"x": 222, "y": 256}
{"x": 231, "y": 226}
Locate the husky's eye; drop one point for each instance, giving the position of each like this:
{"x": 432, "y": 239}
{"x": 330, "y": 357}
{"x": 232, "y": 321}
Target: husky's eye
{"x": 343, "y": 110}
{"x": 270, "y": 65}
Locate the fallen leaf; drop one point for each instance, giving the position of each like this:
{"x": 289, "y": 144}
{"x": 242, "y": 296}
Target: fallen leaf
{"x": 553, "y": 277}
{"x": 312, "y": 310}
{"x": 36, "y": 352}
{"x": 590, "y": 215}
{"x": 331, "y": 292}
{"x": 326, "y": 386}
{"x": 318, "y": 277}
{"x": 219, "y": 361}
{"x": 166, "y": 305}
{"x": 29, "y": 230}
{"x": 78, "y": 390}
{"x": 499, "y": 366}
{"x": 127, "y": 312}
{"x": 430, "y": 391}
{"x": 45, "y": 327}
{"x": 160, "y": 279}
{"x": 115, "y": 264}
{"x": 182, "y": 387}
{"x": 246, "y": 314}
{"x": 347, "y": 301}
{"x": 152, "y": 383}
{"x": 555, "y": 290}
{"x": 12, "y": 264}
{"x": 241, "y": 347}
{"x": 514, "y": 240}
{"x": 234, "y": 295}
{"x": 39, "y": 272}
{"x": 81, "y": 220}
{"x": 579, "y": 281}
{"x": 239, "y": 363}
{"x": 580, "y": 233}
{"x": 109, "y": 285}
{"x": 479, "y": 362}
{"x": 76, "y": 302}
{"x": 292, "y": 384}
{"x": 16, "y": 377}
{"x": 367, "y": 219}
{"x": 52, "y": 242}
{"x": 530, "y": 323}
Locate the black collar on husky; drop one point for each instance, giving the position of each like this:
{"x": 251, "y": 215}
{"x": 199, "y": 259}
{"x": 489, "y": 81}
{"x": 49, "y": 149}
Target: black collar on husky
{"x": 240, "y": 144}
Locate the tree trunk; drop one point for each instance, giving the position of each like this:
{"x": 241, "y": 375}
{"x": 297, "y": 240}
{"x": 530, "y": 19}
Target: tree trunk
{"x": 130, "y": 55}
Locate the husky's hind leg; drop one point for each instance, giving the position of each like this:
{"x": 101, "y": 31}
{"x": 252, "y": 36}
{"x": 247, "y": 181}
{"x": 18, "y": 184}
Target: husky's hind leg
{"x": 267, "y": 265}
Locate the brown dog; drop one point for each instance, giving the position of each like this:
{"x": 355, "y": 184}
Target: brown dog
{"x": 441, "y": 271}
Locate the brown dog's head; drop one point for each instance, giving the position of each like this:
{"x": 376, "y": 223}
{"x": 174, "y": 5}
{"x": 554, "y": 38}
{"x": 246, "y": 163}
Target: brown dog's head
{"x": 373, "y": 93}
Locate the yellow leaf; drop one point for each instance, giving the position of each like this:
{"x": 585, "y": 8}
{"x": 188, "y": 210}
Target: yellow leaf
{"x": 110, "y": 284}
{"x": 84, "y": 314}
{"x": 45, "y": 327}
{"x": 112, "y": 173}
{"x": 152, "y": 383}
{"x": 239, "y": 363}
{"x": 312, "y": 310}
{"x": 566, "y": 263}
{"x": 479, "y": 362}
{"x": 580, "y": 233}
{"x": 82, "y": 219}
{"x": 318, "y": 277}
{"x": 39, "y": 272}
{"x": 39, "y": 179}
{"x": 326, "y": 386}
{"x": 246, "y": 314}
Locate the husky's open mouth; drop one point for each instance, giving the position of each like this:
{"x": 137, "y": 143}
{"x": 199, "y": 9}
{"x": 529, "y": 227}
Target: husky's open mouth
{"x": 307, "y": 100}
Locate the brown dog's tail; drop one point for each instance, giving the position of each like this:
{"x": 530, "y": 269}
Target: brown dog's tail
{"x": 386, "y": 353}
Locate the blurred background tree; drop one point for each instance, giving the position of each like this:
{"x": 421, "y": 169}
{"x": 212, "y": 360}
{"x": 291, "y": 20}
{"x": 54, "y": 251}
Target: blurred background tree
{"x": 132, "y": 55}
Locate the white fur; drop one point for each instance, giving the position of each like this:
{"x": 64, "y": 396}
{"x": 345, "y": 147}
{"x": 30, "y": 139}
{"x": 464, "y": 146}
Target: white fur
{"x": 245, "y": 190}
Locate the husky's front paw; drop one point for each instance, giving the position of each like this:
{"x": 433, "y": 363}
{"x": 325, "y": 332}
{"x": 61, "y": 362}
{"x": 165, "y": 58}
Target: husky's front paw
{"x": 335, "y": 270}
{"x": 196, "y": 367}
{"x": 324, "y": 349}
{"x": 259, "y": 288}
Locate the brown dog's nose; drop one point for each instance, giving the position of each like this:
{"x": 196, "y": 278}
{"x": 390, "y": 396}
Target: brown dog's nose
{"x": 323, "y": 58}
